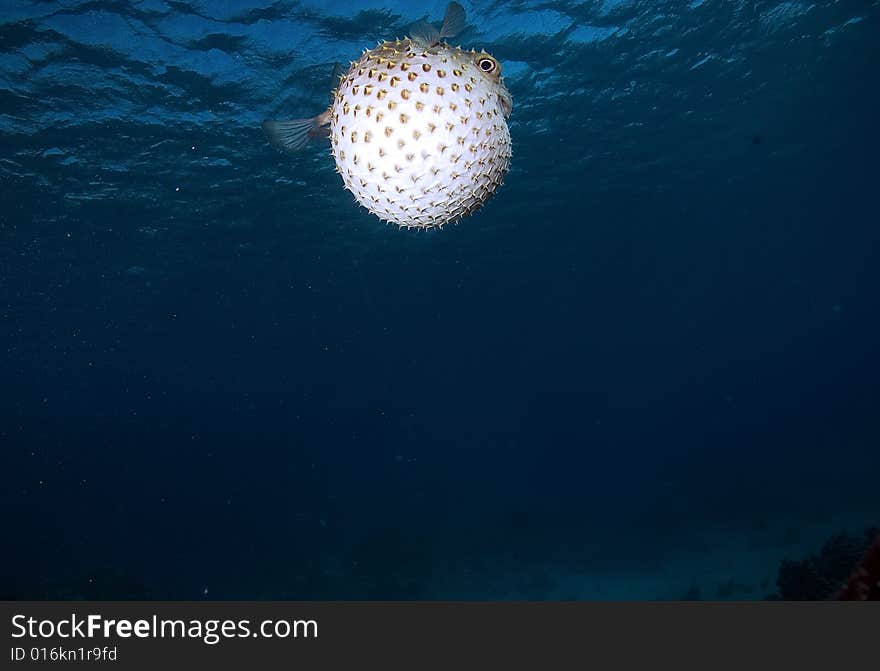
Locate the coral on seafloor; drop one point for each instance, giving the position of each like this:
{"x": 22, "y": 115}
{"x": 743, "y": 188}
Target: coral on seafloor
{"x": 864, "y": 581}
{"x": 847, "y": 567}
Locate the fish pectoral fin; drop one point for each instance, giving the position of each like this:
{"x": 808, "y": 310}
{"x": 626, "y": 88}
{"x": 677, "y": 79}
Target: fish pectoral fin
{"x": 454, "y": 21}
{"x": 294, "y": 135}
{"x": 426, "y": 35}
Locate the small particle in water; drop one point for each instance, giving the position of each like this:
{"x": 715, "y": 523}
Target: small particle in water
{"x": 757, "y": 139}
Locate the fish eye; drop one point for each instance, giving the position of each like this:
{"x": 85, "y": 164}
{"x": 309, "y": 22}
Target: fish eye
{"x": 487, "y": 64}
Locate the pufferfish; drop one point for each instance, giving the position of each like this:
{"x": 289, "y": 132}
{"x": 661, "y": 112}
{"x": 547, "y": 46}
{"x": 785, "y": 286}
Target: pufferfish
{"x": 417, "y": 128}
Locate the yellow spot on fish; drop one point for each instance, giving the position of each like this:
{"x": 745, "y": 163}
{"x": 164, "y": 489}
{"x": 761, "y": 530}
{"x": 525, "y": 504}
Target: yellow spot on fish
{"x": 425, "y": 189}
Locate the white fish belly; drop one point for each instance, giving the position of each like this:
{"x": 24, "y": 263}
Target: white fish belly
{"x": 421, "y": 139}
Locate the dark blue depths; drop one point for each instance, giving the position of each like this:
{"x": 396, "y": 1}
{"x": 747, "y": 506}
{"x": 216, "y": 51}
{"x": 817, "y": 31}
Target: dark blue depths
{"x": 647, "y": 369}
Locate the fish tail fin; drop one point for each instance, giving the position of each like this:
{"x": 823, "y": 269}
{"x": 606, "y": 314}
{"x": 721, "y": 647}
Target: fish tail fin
{"x": 294, "y": 135}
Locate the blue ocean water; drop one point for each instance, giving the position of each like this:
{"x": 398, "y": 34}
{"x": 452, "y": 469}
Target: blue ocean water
{"x": 648, "y": 368}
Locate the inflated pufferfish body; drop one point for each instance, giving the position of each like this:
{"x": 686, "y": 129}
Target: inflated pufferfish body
{"x": 418, "y": 128}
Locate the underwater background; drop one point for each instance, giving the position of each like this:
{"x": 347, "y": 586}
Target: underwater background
{"x": 647, "y": 369}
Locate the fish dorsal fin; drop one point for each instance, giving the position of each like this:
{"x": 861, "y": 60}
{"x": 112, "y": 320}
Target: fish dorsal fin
{"x": 424, "y": 34}
{"x": 427, "y": 35}
{"x": 454, "y": 21}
